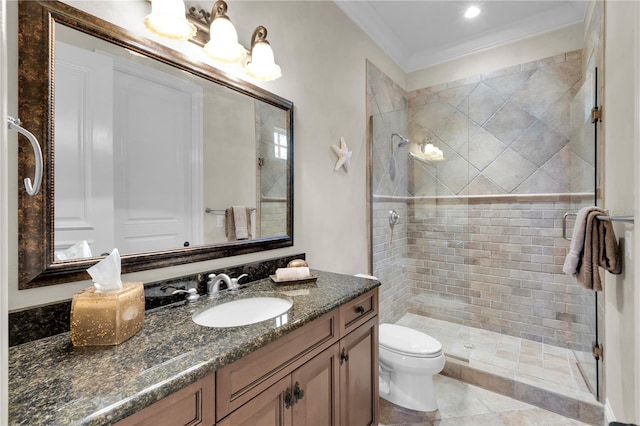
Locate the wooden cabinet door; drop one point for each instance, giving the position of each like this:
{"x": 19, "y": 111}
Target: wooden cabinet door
{"x": 315, "y": 388}
{"x": 191, "y": 406}
{"x": 359, "y": 376}
{"x": 266, "y": 409}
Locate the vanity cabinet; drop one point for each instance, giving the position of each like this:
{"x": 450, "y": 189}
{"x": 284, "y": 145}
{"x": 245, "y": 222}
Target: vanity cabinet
{"x": 324, "y": 373}
{"x": 359, "y": 361}
{"x": 307, "y": 396}
{"x": 359, "y": 375}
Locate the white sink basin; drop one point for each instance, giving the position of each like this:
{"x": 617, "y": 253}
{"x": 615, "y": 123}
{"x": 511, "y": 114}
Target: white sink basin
{"x": 242, "y": 312}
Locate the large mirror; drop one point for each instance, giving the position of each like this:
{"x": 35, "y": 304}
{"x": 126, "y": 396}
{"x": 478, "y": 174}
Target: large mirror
{"x": 146, "y": 150}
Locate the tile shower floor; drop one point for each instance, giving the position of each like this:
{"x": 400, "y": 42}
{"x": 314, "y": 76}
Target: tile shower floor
{"x": 461, "y": 404}
{"x": 537, "y": 373}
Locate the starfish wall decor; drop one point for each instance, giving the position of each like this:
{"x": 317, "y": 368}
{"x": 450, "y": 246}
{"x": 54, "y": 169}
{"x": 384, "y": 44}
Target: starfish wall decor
{"x": 344, "y": 155}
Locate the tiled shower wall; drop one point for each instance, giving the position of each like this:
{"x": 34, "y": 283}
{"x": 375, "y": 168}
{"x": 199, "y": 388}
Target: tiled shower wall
{"x": 503, "y": 132}
{"x": 476, "y": 257}
{"x": 388, "y": 243}
{"x": 472, "y": 255}
{"x": 497, "y": 266}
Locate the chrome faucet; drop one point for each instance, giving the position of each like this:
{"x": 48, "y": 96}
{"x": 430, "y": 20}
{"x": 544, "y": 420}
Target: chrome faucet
{"x": 213, "y": 285}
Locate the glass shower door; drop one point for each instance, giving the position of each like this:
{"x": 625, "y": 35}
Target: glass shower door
{"x": 584, "y": 148}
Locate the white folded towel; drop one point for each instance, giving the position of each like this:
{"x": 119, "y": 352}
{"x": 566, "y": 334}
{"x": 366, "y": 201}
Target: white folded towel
{"x": 290, "y": 274}
{"x": 572, "y": 261}
{"x": 241, "y": 222}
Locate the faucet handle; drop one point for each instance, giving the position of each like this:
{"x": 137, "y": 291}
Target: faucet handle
{"x": 234, "y": 281}
{"x": 192, "y": 294}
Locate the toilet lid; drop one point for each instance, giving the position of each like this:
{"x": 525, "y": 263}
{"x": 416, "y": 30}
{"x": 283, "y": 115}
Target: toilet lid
{"x": 407, "y": 341}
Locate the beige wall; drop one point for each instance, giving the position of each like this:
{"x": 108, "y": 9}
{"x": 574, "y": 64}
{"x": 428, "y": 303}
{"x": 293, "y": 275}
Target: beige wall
{"x": 619, "y": 121}
{"x": 324, "y": 75}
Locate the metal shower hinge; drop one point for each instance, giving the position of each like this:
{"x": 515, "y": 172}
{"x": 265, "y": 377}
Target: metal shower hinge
{"x": 596, "y": 114}
{"x": 597, "y": 350}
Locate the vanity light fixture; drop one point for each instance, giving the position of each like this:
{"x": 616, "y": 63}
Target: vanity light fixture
{"x": 223, "y": 39}
{"x": 261, "y": 65}
{"x": 167, "y": 18}
{"x": 472, "y": 12}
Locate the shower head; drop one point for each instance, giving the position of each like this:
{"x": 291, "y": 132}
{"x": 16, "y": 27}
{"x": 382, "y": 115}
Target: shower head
{"x": 403, "y": 141}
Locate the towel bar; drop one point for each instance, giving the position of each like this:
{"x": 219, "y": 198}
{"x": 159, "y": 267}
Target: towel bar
{"x": 222, "y": 211}
{"x": 626, "y": 219}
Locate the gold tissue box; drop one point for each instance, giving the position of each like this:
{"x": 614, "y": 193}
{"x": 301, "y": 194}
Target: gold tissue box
{"x": 106, "y": 318}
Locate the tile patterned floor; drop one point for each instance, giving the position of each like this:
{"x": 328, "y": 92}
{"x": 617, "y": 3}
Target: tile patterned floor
{"x": 536, "y": 364}
{"x": 461, "y": 404}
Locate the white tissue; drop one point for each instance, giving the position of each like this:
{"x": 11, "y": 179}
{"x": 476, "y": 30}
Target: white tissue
{"x": 106, "y": 273}
{"x": 290, "y": 274}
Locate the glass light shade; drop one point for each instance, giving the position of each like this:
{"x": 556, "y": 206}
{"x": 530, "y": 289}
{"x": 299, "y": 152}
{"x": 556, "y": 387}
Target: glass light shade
{"x": 168, "y": 19}
{"x": 262, "y": 65}
{"x": 472, "y": 12}
{"x": 223, "y": 42}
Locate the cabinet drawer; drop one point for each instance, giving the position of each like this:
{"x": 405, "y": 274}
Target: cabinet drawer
{"x": 240, "y": 381}
{"x": 193, "y": 405}
{"x": 358, "y": 311}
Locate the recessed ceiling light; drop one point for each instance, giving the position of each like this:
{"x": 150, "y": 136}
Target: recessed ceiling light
{"x": 472, "y": 12}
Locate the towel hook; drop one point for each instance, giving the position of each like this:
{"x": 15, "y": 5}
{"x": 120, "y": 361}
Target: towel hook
{"x": 32, "y": 188}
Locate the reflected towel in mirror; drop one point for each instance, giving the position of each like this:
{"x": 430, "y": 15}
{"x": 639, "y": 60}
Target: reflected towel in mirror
{"x": 238, "y": 223}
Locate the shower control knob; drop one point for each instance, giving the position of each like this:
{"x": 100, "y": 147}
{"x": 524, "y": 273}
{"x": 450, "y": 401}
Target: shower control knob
{"x": 394, "y": 217}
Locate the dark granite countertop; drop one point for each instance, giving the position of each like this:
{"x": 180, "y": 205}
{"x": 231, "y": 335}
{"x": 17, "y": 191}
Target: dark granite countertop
{"x": 53, "y": 382}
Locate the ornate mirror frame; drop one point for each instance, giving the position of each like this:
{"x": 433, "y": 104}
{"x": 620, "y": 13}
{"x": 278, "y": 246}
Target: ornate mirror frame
{"x": 36, "y": 42}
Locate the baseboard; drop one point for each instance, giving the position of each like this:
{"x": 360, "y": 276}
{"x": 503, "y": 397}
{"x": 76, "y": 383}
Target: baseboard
{"x": 608, "y": 412}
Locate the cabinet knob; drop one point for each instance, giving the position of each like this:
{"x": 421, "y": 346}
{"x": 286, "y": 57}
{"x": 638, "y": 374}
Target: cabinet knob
{"x": 298, "y": 393}
{"x": 360, "y": 309}
{"x": 288, "y": 398}
{"x": 292, "y": 399}
{"x": 344, "y": 356}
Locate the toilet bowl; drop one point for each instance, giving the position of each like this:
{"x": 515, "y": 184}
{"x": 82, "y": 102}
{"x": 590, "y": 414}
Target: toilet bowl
{"x": 408, "y": 361}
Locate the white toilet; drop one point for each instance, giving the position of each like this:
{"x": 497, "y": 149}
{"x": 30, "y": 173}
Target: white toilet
{"x": 408, "y": 361}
